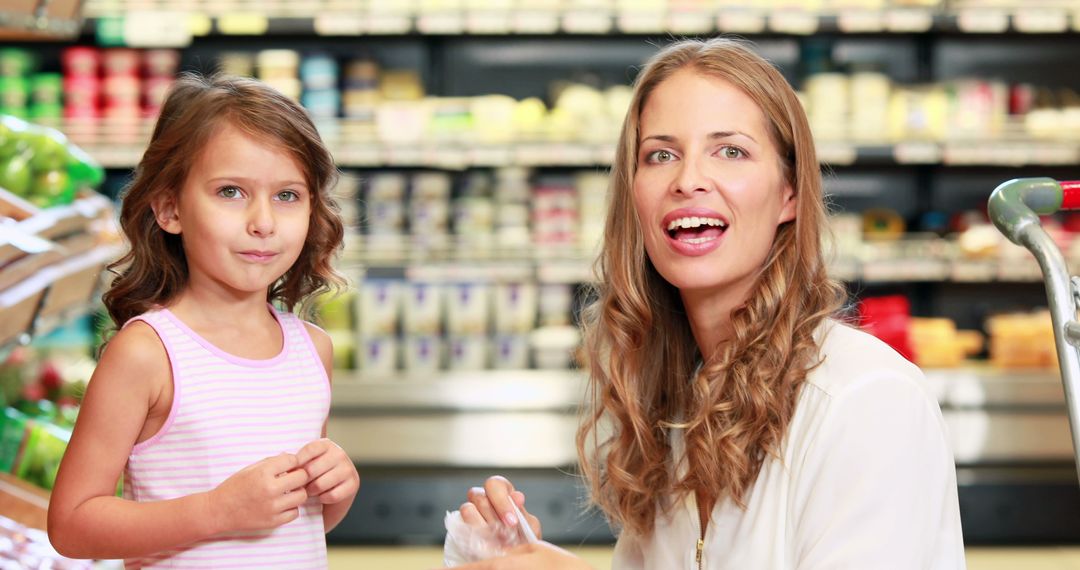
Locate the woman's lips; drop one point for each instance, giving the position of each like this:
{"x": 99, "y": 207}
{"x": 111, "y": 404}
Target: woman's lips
{"x": 694, "y": 231}
{"x": 694, "y": 244}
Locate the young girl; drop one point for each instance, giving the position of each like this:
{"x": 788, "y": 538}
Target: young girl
{"x": 211, "y": 403}
{"x": 733, "y": 424}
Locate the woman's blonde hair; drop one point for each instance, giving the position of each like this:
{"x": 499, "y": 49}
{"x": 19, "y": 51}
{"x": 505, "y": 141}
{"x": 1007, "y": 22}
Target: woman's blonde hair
{"x": 642, "y": 353}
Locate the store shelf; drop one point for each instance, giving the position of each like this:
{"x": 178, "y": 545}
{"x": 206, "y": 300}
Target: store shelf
{"x": 51, "y": 266}
{"x": 52, "y": 296}
{"x": 455, "y": 259}
{"x": 784, "y": 21}
{"x": 973, "y": 386}
{"x": 23, "y": 502}
{"x": 982, "y": 387}
{"x": 40, "y": 20}
{"x": 527, "y": 418}
{"x": 459, "y": 155}
{"x": 485, "y": 390}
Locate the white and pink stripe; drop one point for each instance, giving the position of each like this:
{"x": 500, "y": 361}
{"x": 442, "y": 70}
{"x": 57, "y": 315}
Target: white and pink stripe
{"x": 227, "y": 413}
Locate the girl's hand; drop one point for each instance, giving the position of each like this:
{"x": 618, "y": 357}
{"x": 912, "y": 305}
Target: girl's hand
{"x": 331, "y": 474}
{"x": 262, "y": 495}
{"x": 492, "y": 502}
{"x": 537, "y": 555}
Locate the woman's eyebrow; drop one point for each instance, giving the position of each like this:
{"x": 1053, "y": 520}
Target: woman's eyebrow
{"x": 726, "y": 134}
{"x": 712, "y": 136}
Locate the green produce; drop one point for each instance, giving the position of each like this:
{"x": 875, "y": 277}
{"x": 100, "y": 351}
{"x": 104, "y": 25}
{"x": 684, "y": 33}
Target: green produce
{"x": 16, "y": 175}
{"x": 12, "y": 432}
{"x": 83, "y": 169}
{"x": 48, "y": 147}
{"x": 52, "y": 187}
{"x": 11, "y": 131}
{"x": 42, "y": 452}
{"x": 40, "y": 164}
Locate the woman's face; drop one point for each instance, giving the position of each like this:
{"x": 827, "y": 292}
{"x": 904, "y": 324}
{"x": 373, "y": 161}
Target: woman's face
{"x": 709, "y": 191}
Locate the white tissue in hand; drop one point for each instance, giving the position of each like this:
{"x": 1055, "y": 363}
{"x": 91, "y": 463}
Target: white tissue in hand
{"x": 465, "y": 543}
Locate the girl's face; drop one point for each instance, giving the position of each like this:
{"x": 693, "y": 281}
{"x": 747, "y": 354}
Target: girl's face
{"x": 709, "y": 191}
{"x": 242, "y": 214}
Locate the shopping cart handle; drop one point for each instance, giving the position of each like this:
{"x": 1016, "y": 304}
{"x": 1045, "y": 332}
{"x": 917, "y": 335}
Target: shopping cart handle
{"x": 1021, "y": 201}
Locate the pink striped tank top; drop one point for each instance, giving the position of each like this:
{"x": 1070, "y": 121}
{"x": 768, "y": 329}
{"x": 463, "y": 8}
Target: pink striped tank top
{"x": 227, "y": 413}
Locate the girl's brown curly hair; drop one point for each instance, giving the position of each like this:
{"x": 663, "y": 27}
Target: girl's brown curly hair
{"x": 154, "y": 270}
{"x": 642, "y": 353}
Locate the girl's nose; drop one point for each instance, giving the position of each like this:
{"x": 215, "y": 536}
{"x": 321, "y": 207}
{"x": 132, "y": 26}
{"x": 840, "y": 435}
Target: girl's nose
{"x": 261, "y": 219}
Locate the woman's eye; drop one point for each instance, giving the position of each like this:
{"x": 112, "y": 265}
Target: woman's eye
{"x": 288, "y": 196}
{"x": 229, "y": 192}
{"x": 660, "y": 156}
{"x": 732, "y": 152}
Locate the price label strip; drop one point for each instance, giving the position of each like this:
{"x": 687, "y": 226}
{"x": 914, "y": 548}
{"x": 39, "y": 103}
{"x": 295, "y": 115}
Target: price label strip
{"x": 243, "y": 24}
{"x": 741, "y": 21}
{"x": 983, "y": 21}
{"x": 339, "y": 24}
{"x": 1040, "y": 21}
{"x": 796, "y": 22}
{"x": 157, "y": 29}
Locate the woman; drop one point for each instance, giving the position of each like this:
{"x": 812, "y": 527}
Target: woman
{"x": 750, "y": 430}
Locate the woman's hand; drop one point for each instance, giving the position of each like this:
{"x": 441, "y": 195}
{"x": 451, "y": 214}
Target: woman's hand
{"x": 537, "y": 555}
{"x": 492, "y": 502}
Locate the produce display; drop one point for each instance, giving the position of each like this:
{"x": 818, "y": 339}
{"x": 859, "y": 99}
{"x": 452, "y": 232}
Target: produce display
{"x": 36, "y": 420}
{"x": 23, "y": 547}
{"x": 38, "y": 164}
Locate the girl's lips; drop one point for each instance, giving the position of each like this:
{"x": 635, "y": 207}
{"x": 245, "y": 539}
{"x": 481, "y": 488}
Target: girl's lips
{"x": 258, "y": 256}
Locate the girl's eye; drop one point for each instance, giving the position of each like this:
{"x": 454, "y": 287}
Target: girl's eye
{"x": 229, "y": 192}
{"x": 288, "y": 196}
{"x": 732, "y": 152}
{"x": 660, "y": 156}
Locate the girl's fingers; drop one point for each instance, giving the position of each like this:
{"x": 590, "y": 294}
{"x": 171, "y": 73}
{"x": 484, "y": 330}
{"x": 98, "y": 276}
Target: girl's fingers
{"x": 323, "y": 483}
{"x": 319, "y": 466}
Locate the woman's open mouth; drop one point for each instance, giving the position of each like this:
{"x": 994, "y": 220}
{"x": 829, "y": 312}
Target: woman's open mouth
{"x": 694, "y": 231}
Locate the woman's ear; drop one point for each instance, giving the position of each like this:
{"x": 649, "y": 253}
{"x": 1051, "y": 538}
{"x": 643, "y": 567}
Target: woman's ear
{"x": 165, "y": 213}
{"x": 787, "y": 210}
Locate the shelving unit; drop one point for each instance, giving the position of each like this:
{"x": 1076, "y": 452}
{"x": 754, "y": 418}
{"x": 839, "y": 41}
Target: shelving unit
{"x": 463, "y": 153}
{"x": 402, "y": 427}
{"x": 40, "y": 20}
{"x": 464, "y": 48}
{"x": 598, "y": 20}
{"x": 60, "y": 279}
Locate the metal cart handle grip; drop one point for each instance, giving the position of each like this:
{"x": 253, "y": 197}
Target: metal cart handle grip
{"x": 1021, "y": 201}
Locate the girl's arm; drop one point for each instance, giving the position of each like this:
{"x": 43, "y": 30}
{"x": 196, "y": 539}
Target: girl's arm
{"x": 333, "y": 476}
{"x": 87, "y": 520}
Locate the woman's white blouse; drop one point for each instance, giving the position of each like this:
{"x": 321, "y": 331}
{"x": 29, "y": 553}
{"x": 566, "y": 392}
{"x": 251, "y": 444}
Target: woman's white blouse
{"x": 867, "y": 480}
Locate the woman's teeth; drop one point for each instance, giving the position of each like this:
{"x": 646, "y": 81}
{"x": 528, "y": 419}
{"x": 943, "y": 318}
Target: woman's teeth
{"x": 695, "y": 222}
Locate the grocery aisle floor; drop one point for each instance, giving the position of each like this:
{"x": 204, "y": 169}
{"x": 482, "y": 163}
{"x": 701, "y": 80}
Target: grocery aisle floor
{"x": 980, "y": 558}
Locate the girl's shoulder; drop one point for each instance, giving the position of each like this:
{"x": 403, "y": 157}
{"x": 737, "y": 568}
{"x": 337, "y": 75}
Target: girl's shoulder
{"x": 134, "y": 356}
{"x": 138, "y": 342}
{"x": 320, "y": 339}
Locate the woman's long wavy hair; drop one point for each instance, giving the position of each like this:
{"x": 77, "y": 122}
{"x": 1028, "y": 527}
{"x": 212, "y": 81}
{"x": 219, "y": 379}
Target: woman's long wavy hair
{"x": 154, "y": 270}
{"x": 642, "y": 353}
